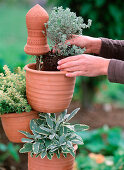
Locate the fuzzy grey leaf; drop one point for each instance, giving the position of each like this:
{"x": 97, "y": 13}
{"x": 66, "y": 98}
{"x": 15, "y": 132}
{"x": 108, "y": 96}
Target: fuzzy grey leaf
{"x": 27, "y": 147}
{"x": 35, "y": 147}
{"x": 26, "y": 140}
{"x": 72, "y": 114}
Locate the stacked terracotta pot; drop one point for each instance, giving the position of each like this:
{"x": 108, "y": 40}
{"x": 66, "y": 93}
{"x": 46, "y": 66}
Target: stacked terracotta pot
{"x": 47, "y": 91}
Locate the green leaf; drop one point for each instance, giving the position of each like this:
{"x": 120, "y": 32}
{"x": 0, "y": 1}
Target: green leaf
{"x": 78, "y": 142}
{"x": 51, "y": 136}
{"x": 40, "y": 121}
{"x": 71, "y": 149}
{"x": 32, "y": 154}
{"x": 69, "y": 143}
{"x": 37, "y": 155}
{"x": 41, "y": 131}
{"x": 49, "y": 156}
{"x": 36, "y": 147}
{"x": 58, "y": 154}
{"x": 26, "y": 140}
{"x": 13, "y": 151}
{"x": 62, "y": 139}
{"x": 27, "y": 147}
{"x": 38, "y": 136}
{"x": 48, "y": 142}
{"x": 70, "y": 127}
{"x": 65, "y": 155}
{"x": 43, "y": 154}
{"x": 46, "y": 129}
{"x": 53, "y": 115}
{"x": 33, "y": 124}
{"x": 80, "y": 127}
{"x": 61, "y": 131}
{"x": 3, "y": 147}
{"x": 72, "y": 114}
{"x": 49, "y": 122}
{"x": 26, "y": 134}
{"x": 61, "y": 117}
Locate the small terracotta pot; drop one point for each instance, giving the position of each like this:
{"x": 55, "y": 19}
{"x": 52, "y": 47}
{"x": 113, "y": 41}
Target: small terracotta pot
{"x": 53, "y": 164}
{"x": 48, "y": 91}
{"x": 13, "y": 122}
{"x": 37, "y": 40}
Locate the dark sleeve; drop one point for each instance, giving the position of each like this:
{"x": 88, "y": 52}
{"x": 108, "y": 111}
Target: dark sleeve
{"x": 112, "y": 49}
{"x": 116, "y": 71}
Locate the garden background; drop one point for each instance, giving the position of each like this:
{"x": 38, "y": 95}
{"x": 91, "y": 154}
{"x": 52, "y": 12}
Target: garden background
{"x": 101, "y": 102}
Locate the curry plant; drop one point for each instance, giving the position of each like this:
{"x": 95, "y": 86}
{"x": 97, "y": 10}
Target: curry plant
{"x": 13, "y": 92}
{"x": 52, "y": 134}
{"x": 61, "y": 26}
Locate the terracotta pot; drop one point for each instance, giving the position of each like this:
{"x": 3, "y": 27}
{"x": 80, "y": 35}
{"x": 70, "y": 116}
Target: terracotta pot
{"x": 37, "y": 40}
{"x": 53, "y": 164}
{"x": 48, "y": 91}
{"x": 13, "y": 122}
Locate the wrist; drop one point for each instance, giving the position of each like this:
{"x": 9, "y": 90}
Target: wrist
{"x": 105, "y": 66}
{"x": 96, "y": 45}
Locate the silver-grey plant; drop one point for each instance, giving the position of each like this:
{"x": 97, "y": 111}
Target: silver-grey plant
{"x": 52, "y": 134}
{"x": 61, "y": 26}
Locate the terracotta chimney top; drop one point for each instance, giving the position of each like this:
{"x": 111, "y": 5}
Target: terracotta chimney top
{"x": 37, "y": 40}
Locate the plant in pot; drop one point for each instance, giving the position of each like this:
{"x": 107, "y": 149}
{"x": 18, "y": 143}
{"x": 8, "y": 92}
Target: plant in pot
{"x": 15, "y": 112}
{"x": 48, "y": 89}
{"x": 54, "y": 142}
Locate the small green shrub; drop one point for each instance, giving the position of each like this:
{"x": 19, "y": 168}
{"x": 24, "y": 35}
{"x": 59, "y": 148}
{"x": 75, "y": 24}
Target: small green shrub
{"x": 13, "y": 92}
{"x": 52, "y": 135}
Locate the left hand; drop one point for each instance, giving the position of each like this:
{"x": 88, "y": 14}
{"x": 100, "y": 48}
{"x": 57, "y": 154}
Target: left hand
{"x": 84, "y": 65}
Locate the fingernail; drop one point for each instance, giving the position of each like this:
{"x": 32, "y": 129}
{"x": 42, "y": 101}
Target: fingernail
{"x": 67, "y": 74}
{"x": 58, "y": 67}
{"x": 59, "y": 62}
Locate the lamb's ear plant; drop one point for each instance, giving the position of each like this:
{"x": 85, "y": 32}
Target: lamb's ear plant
{"x": 13, "y": 92}
{"x": 52, "y": 135}
{"x": 61, "y": 26}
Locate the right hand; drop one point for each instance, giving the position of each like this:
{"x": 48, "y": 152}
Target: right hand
{"x": 92, "y": 45}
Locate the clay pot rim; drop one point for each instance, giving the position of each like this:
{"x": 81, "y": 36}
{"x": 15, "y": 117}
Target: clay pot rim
{"x": 14, "y": 115}
{"x": 27, "y": 68}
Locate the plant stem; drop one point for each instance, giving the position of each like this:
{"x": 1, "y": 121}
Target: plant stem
{"x": 38, "y": 63}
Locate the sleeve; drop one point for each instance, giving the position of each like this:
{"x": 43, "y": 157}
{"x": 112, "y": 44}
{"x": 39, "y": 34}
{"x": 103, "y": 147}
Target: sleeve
{"x": 112, "y": 49}
{"x": 116, "y": 71}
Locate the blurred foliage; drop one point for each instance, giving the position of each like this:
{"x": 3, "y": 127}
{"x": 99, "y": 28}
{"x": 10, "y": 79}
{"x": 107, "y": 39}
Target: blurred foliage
{"x": 110, "y": 93}
{"x": 7, "y": 151}
{"x": 103, "y": 149}
{"x": 107, "y": 21}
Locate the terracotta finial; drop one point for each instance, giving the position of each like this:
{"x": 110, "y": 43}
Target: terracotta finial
{"x": 37, "y": 40}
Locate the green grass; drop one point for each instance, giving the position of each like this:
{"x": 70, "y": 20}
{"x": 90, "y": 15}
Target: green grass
{"x": 13, "y": 35}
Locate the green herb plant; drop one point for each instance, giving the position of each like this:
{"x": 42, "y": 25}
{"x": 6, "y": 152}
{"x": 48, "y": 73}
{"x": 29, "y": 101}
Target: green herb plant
{"x": 13, "y": 92}
{"x": 52, "y": 135}
{"x": 61, "y": 26}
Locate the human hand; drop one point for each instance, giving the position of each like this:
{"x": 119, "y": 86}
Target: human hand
{"x": 84, "y": 65}
{"x": 93, "y": 45}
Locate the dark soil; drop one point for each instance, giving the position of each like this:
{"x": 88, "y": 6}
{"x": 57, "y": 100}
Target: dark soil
{"x": 94, "y": 118}
{"x": 50, "y": 61}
